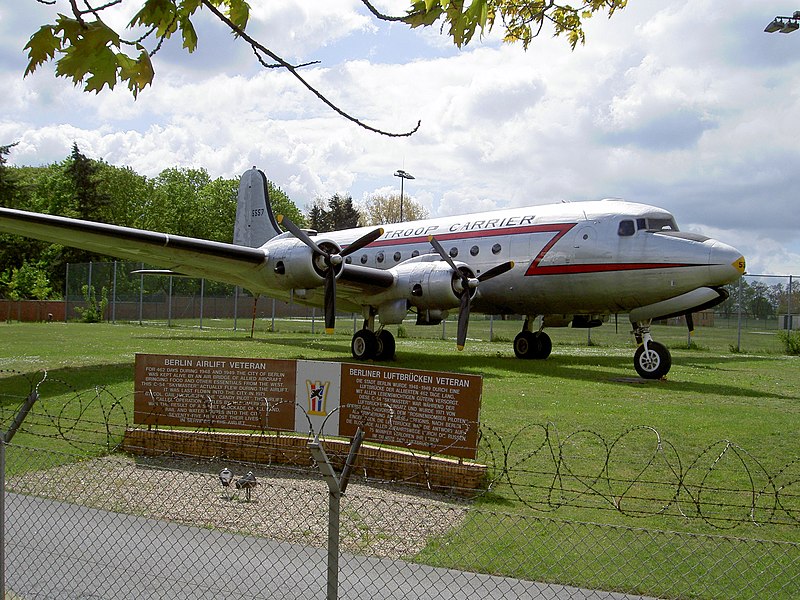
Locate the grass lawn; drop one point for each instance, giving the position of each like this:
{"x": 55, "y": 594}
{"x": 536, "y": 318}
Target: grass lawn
{"x": 726, "y": 421}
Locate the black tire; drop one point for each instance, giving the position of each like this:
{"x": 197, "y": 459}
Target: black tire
{"x": 530, "y": 345}
{"x": 545, "y": 345}
{"x": 386, "y": 345}
{"x": 364, "y": 345}
{"x": 524, "y": 345}
{"x": 653, "y": 363}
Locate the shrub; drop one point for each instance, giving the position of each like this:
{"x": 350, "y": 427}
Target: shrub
{"x": 94, "y": 310}
{"x": 790, "y": 341}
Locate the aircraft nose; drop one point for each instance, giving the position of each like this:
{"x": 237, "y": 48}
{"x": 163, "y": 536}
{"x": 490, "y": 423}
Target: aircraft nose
{"x": 726, "y": 262}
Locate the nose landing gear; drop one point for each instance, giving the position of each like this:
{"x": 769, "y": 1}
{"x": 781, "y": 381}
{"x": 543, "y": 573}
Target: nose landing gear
{"x": 651, "y": 360}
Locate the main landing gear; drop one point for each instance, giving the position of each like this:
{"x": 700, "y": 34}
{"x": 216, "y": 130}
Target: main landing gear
{"x": 652, "y": 360}
{"x": 531, "y": 344}
{"x": 368, "y": 344}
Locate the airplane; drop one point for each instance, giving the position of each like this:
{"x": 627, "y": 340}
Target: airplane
{"x": 562, "y": 264}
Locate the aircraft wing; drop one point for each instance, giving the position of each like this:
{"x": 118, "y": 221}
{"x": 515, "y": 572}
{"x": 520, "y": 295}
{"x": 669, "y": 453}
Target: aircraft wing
{"x": 229, "y": 263}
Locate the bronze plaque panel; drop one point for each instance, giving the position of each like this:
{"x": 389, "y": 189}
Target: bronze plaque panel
{"x": 208, "y": 391}
{"x": 424, "y": 410}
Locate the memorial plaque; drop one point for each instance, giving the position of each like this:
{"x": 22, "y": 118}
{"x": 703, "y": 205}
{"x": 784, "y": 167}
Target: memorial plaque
{"x": 424, "y": 410}
{"x": 207, "y": 391}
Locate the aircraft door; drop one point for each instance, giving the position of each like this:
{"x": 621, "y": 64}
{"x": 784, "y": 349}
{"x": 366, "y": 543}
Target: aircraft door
{"x": 585, "y": 241}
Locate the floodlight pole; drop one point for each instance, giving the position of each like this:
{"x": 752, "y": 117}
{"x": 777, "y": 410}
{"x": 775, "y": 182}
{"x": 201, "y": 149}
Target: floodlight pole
{"x": 403, "y": 175}
{"x": 784, "y": 24}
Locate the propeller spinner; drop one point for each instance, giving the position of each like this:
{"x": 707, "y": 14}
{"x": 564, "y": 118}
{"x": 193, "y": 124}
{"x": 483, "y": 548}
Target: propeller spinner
{"x": 332, "y": 261}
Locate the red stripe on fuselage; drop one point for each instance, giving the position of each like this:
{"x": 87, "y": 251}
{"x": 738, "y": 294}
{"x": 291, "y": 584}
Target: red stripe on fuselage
{"x": 559, "y": 230}
{"x": 572, "y": 269}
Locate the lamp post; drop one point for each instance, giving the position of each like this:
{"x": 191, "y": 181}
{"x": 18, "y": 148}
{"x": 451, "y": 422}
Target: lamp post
{"x": 403, "y": 176}
{"x": 784, "y": 24}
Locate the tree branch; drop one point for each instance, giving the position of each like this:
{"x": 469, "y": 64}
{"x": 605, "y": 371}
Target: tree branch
{"x": 281, "y": 63}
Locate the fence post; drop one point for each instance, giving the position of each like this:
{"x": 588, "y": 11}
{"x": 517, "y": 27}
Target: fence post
{"x": 202, "y": 299}
{"x": 114, "y": 295}
{"x": 66, "y": 293}
{"x": 739, "y": 317}
{"x": 5, "y": 438}
{"x": 141, "y": 294}
{"x": 336, "y": 489}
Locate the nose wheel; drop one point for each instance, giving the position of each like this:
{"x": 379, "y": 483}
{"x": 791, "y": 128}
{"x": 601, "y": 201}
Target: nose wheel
{"x": 651, "y": 359}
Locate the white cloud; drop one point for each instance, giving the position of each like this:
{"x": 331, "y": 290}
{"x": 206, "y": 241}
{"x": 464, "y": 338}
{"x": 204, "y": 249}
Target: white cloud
{"x": 682, "y": 105}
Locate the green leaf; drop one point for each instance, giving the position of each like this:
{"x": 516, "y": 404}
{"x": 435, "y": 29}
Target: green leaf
{"x": 104, "y": 71}
{"x": 138, "y": 73}
{"x": 189, "y": 35}
{"x": 42, "y": 47}
{"x": 161, "y": 14}
{"x": 239, "y": 13}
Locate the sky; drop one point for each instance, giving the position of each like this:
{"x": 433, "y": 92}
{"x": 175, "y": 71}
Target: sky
{"x": 686, "y": 105}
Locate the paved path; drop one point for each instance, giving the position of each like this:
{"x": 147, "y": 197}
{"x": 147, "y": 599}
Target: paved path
{"x": 56, "y": 551}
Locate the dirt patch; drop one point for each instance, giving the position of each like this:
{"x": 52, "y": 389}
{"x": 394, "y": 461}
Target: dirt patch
{"x": 285, "y": 506}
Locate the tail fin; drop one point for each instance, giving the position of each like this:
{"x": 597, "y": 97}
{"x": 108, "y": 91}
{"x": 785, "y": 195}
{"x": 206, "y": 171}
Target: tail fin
{"x": 255, "y": 222}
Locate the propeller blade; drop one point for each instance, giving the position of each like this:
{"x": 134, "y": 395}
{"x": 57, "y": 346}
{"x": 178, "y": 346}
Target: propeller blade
{"x": 300, "y": 234}
{"x": 330, "y": 301}
{"x": 463, "y": 321}
{"x": 495, "y": 271}
{"x": 445, "y": 256}
{"x": 365, "y": 240}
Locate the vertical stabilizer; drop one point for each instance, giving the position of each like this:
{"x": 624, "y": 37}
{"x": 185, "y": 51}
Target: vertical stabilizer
{"x": 255, "y": 222}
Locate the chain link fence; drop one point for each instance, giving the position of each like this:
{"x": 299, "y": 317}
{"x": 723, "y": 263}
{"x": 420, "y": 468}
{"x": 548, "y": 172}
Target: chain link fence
{"x": 85, "y": 520}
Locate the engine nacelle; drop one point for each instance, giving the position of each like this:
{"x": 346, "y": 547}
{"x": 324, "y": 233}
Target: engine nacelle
{"x": 296, "y": 266}
{"x": 430, "y": 286}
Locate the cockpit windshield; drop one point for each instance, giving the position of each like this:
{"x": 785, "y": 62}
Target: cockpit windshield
{"x": 629, "y": 227}
{"x": 658, "y": 224}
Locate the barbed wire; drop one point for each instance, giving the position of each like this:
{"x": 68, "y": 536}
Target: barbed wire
{"x": 636, "y": 473}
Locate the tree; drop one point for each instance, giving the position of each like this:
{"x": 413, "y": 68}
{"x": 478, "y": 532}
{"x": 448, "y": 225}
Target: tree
{"x": 90, "y": 52}
{"x": 89, "y": 201}
{"x": 8, "y": 180}
{"x": 340, "y": 214}
{"x": 386, "y": 209}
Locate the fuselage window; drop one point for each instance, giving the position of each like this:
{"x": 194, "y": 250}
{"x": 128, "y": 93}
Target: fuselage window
{"x": 453, "y": 252}
{"x": 396, "y": 257}
{"x": 415, "y": 254}
{"x": 348, "y": 260}
{"x": 363, "y": 259}
{"x": 380, "y": 257}
{"x": 626, "y": 228}
{"x": 641, "y": 223}
{"x": 474, "y": 251}
{"x": 496, "y": 249}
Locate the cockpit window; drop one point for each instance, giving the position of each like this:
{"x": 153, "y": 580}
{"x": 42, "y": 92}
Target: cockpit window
{"x": 661, "y": 224}
{"x": 626, "y": 228}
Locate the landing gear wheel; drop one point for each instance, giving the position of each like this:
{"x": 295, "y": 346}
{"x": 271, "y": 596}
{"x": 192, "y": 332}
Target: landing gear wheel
{"x": 364, "y": 345}
{"x": 653, "y": 363}
{"x": 386, "y": 345}
{"x": 532, "y": 345}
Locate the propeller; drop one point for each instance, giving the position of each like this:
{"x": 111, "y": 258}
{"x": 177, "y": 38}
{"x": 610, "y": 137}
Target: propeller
{"x": 332, "y": 262}
{"x": 468, "y": 284}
